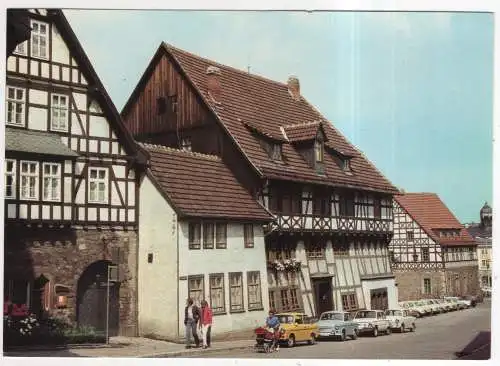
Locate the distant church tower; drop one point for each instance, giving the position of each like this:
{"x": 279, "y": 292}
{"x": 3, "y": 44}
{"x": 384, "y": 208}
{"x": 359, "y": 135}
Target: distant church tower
{"x": 486, "y": 215}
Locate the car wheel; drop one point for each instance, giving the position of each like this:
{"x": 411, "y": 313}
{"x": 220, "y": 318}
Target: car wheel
{"x": 413, "y": 327}
{"x": 402, "y": 329}
{"x": 312, "y": 339}
{"x": 388, "y": 331}
{"x": 375, "y": 332}
{"x": 342, "y": 337}
{"x": 354, "y": 334}
{"x": 291, "y": 341}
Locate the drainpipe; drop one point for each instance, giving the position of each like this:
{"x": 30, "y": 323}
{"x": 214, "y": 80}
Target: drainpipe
{"x": 178, "y": 302}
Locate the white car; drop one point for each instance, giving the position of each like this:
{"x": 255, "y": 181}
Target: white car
{"x": 401, "y": 320}
{"x": 372, "y": 321}
{"x": 409, "y": 306}
{"x": 460, "y": 304}
{"x": 427, "y": 308}
{"x": 435, "y": 307}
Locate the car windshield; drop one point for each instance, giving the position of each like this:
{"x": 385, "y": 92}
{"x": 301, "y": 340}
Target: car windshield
{"x": 332, "y": 316}
{"x": 285, "y": 319}
{"x": 365, "y": 314}
{"x": 393, "y": 312}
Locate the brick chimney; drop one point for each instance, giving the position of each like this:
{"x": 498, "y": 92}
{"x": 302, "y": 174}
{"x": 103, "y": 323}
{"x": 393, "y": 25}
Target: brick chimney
{"x": 294, "y": 87}
{"x": 213, "y": 83}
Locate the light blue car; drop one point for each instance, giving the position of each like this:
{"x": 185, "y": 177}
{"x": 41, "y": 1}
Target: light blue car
{"x": 338, "y": 325}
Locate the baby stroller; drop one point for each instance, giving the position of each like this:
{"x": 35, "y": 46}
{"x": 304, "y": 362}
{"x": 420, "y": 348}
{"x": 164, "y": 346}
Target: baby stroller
{"x": 267, "y": 340}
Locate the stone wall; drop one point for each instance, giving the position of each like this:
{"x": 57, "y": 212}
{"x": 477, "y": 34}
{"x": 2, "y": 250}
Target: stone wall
{"x": 411, "y": 283}
{"x": 462, "y": 281}
{"x": 62, "y": 255}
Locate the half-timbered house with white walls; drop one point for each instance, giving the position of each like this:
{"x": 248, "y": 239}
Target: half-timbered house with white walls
{"x": 332, "y": 207}
{"x": 201, "y": 236}
{"x": 482, "y": 234}
{"x": 71, "y": 184}
{"x": 432, "y": 254}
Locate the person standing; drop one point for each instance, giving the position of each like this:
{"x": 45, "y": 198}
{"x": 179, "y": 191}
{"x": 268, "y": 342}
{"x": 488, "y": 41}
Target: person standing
{"x": 191, "y": 317}
{"x": 206, "y": 323}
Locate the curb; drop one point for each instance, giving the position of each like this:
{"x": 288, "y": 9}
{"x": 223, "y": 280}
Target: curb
{"x": 191, "y": 352}
{"x": 61, "y": 347}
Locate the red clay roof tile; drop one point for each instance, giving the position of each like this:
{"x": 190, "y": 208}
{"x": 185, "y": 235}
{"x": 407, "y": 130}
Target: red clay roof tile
{"x": 266, "y": 105}
{"x": 201, "y": 185}
{"x": 431, "y": 214}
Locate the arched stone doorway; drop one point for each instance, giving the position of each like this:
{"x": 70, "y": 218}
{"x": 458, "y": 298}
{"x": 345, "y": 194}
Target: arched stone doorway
{"x": 91, "y": 299}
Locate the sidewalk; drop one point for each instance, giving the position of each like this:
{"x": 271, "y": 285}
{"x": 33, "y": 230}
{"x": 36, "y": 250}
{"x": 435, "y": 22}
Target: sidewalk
{"x": 135, "y": 347}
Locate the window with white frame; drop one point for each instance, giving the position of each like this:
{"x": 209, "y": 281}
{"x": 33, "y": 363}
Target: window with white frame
{"x": 39, "y": 43}
{"x": 51, "y": 182}
{"x": 254, "y": 290}
{"x": 59, "y": 112}
{"x": 236, "y": 292}
{"x": 10, "y": 178}
{"x": 29, "y": 180}
{"x": 427, "y": 286}
{"x": 217, "y": 301}
{"x": 196, "y": 288}
{"x": 98, "y": 185}
{"x": 15, "y": 106}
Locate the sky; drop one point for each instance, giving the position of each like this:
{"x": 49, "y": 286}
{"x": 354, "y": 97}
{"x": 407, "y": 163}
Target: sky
{"x": 412, "y": 91}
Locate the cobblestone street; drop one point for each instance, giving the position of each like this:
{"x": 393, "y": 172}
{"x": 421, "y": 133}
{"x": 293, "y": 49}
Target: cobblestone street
{"x": 436, "y": 337}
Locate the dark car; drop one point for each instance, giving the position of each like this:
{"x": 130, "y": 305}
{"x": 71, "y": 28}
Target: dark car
{"x": 472, "y": 299}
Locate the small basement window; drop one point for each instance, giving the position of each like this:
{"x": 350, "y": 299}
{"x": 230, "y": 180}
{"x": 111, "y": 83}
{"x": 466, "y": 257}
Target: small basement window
{"x": 150, "y": 257}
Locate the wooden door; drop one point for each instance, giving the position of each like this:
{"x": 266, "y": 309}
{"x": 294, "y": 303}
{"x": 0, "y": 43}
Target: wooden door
{"x": 323, "y": 295}
{"x": 379, "y": 299}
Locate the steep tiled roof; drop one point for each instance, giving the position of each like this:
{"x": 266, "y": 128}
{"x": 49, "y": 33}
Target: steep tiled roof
{"x": 431, "y": 214}
{"x": 36, "y": 142}
{"x": 251, "y": 100}
{"x": 201, "y": 185}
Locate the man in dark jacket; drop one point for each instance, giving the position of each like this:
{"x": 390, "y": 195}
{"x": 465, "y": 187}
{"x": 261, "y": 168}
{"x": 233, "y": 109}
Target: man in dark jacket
{"x": 191, "y": 318}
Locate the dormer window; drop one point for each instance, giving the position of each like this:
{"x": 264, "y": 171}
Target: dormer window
{"x": 319, "y": 151}
{"x": 276, "y": 152}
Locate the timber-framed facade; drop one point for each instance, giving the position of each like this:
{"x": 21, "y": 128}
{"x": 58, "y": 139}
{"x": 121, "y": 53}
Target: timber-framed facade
{"x": 432, "y": 255}
{"x": 71, "y": 183}
{"x": 332, "y": 207}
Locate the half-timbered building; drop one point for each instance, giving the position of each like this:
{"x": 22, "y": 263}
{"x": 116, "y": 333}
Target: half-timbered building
{"x": 201, "y": 236}
{"x": 70, "y": 187}
{"x": 432, "y": 254}
{"x": 327, "y": 247}
{"x": 482, "y": 234}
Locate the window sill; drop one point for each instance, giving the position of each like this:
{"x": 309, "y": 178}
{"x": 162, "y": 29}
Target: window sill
{"x": 13, "y": 124}
{"x": 260, "y": 308}
{"x": 194, "y": 248}
{"x": 221, "y": 247}
{"x": 237, "y": 311}
{"x": 65, "y": 130}
{"x": 220, "y": 313}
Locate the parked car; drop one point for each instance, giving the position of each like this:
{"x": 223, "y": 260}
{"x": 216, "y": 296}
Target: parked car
{"x": 439, "y": 305}
{"x": 400, "y": 320}
{"x": 452, "y": 302}
{"x": 412, "y": 309}
{"x": 471, "y": 299}
{"x": 462, "y": 304}
{"x": 337, "y": 324}
{"x": 434, "y": 307}
{"x": 427, "y": 309}
{"x": 445, "y": 305}
{"x": 297, "y": 329}
{"x": 372, "y": 321}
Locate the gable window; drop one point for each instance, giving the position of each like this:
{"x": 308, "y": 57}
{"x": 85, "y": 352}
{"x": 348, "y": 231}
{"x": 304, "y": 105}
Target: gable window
{"x": 221, "y": 236}
{"x": 98, "y": 185}
{"x": 254, "y": 290}
{"x": 10, "y": 178}
{"x": 427, "y": 286}
{"x": 39, "y": 42}
{"x": 236, "y": 291}
{"x": 20, "y": 48}
{"x": 217, "y": 293}
{"x": 59, "y": 110}
{"x": 186, "y": 144}
{"x": 15, "y": 106}
{"x": 51, "y": 182}
{"x": 196, "y": 288}
{"x": 194, "y": 235}
{"x": 425, "y": 255}
{"x": 248, "y": 235}
{"x": 319, "y": 151}
{"x": 29, "y": 180}
{"x": 409, "y": 235}
{"x": 208, "y": 236}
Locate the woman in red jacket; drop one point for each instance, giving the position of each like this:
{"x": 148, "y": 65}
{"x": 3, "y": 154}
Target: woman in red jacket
{"x": 206, "y": 323}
